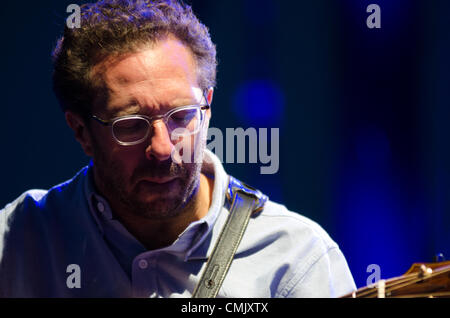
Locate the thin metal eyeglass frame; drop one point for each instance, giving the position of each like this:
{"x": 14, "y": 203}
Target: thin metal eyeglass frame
{"x": 150, "y": 121}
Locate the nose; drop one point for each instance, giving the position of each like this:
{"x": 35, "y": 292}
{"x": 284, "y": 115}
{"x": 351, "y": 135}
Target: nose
{"x": 160, "y": 146}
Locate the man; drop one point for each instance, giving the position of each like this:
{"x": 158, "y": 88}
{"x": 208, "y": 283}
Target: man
{"x": 135, "y": 82}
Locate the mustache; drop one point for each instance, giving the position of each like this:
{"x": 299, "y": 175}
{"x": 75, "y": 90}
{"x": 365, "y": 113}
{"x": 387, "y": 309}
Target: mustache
{"x": 159, "y": 169}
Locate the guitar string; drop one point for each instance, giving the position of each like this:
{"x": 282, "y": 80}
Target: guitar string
{"x": 406, "y": 279}
{"x": 402, "y": 282}
{"x": 393, "y": 287}
{"x": 426, "y": 295}
{"x": 419, "y": 278}
{"x": 374, "y": 290}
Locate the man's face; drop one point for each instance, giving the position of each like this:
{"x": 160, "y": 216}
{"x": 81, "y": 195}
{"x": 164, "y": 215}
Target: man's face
{"x": 144, "y": 179}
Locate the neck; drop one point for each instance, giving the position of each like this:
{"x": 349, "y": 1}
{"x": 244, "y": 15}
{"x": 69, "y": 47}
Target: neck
{"x": 155, "y": 234}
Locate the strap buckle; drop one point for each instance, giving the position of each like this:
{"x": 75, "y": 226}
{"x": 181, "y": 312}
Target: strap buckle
{"x": 234, "y": 185}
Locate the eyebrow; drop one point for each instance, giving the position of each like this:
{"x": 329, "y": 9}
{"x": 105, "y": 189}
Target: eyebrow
{"x": 134, "y": 108}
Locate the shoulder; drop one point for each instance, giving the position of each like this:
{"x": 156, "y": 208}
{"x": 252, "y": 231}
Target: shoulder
{"x": 278, "y": 217}
{"x": 40, "y": 197}
{"x": 18, "y": 225}
{"x": 28, "y": 200}
{"x": 35, "y": 207}
{"x": 35, "y": 199}
{"x": 306, "y": 260}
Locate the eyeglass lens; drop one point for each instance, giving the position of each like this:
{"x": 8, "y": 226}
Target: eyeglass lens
{"x": 136, "y": 128}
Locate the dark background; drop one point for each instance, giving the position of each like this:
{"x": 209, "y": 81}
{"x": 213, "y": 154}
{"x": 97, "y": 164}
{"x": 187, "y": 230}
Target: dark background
{"x": 363, "y": 114}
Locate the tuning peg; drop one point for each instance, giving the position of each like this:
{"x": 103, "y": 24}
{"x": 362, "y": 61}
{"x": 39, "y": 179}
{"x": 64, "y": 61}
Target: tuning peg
{"x": 439, "y": 258}
{"x": 425, "y": 271}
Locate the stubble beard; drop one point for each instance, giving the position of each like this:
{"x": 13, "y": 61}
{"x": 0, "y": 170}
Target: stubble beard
{"x": 112, "y": 183}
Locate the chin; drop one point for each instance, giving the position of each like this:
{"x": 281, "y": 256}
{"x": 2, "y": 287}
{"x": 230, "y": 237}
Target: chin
{"x": 163, "y": 205}
{"x": 159, "y": 209}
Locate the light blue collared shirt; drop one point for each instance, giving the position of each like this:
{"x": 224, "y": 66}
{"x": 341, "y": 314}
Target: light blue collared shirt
{"x": 44, "y": 233}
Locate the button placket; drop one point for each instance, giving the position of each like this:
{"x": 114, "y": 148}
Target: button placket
{"x": 143, "y": 264}
{"x": 101, "y": 207}
{"x": 152, "y": 262}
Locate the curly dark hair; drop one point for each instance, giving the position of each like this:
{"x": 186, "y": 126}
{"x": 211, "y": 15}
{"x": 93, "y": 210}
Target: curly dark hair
{"x": 113, "y": 27}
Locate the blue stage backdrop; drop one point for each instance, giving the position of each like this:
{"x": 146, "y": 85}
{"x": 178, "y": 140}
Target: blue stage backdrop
{"x": 362, "y": 113}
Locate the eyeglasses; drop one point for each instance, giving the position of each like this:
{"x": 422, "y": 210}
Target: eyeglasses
{"x": 133, "y": 129}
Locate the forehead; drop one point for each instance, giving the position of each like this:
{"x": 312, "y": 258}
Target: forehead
{"x": 158, "y": 75}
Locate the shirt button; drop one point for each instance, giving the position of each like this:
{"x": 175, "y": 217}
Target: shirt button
{"x": 143, "y": 264}
{"x": 100, "y": 207}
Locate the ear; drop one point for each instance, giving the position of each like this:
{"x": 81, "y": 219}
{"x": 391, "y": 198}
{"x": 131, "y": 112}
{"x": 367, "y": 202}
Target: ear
{"x": 209, "y": 97}
{"x": 81, "y": 131}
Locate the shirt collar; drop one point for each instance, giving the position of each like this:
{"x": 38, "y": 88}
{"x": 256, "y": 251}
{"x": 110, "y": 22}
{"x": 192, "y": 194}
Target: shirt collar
{"x": 91, "y": 196}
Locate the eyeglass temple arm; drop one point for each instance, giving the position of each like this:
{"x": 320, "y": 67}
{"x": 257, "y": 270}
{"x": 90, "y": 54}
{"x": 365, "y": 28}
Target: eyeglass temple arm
{"x": 207, "y": 106}
{"x": 101, "y": 121}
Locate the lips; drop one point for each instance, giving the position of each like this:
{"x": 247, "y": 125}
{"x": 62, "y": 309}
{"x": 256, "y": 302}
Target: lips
{"x": 157, "y": 184}
{"x": 158, "y": 180}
